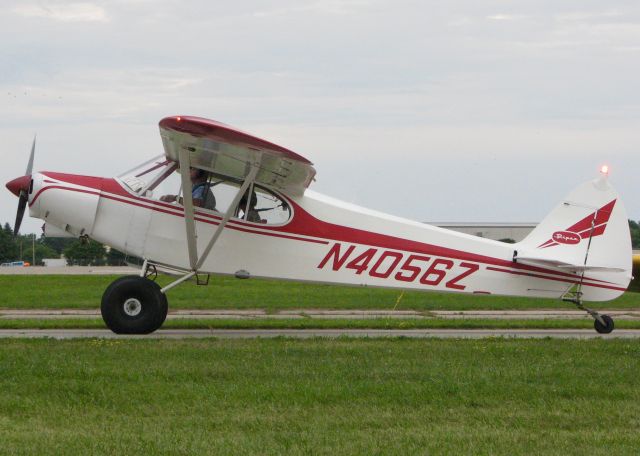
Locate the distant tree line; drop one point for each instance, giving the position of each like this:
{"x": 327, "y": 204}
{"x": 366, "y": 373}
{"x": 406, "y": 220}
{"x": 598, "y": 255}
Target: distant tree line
{"x": 635, "y": 234}
{"x": 77, "y": 252}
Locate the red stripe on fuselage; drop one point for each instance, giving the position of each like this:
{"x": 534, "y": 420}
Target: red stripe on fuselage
{"x": 304, "y": 224}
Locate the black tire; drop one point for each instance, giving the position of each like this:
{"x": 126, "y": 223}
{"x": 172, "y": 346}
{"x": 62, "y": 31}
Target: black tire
{"x": 133, "y": 305}
{"x": 607, "y": 327}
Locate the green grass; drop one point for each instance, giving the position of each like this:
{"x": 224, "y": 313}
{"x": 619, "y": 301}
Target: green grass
{"x": 85, "y": 292}
{"x": 315, "y": 323}
{"x": 283, "y": 396}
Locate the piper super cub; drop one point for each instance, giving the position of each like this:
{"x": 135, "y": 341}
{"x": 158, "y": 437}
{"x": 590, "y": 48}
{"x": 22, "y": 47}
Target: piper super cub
{"x": 222, "y": 201}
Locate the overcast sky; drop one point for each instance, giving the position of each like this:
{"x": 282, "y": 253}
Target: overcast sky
{"x": 437, "y": 111}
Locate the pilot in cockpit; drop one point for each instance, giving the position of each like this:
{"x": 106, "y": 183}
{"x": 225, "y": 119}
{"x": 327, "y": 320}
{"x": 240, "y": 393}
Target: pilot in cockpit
{"x": 201, "y": 193}
{"x": 252, "y": 214}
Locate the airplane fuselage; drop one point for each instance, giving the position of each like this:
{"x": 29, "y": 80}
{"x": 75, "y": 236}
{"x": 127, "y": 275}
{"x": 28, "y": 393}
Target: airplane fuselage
{"x": 324, "y": 240}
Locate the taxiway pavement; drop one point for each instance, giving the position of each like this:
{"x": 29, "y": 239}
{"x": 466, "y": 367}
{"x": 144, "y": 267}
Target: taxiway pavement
{"x": 324, "y": 333}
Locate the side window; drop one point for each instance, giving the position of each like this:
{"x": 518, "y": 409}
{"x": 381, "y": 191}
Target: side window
{"x": 167, "y": 187}
{"x": 210, "y": 192}
{"x": 263, "y": 207}
{"x": 224, "y": 192}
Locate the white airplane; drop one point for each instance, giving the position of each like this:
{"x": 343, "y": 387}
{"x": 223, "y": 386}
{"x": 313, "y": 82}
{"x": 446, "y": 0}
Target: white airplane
{"x": 245, "y": 209}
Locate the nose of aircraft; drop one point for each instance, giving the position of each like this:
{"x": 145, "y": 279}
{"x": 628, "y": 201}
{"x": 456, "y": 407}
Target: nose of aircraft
{"x": 18, "y": 184}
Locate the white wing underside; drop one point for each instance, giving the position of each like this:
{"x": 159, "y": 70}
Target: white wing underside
{"x": 229, "y": 152}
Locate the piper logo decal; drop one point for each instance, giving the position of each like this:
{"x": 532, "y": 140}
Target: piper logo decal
{"x": 566, "y": 237}
{"x": 582, "y": 229}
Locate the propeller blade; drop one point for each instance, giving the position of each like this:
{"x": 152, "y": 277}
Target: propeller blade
{"x": 21, "y": 185}
{"x": 30, "y": 164}
{"x": 22, "y": 204}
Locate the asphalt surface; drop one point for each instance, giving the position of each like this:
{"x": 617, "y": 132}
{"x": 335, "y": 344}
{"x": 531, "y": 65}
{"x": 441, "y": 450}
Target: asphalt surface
{"x": 326, "y": 333}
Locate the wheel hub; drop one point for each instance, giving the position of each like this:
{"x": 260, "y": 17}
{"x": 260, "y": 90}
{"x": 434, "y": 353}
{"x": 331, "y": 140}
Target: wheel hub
{"x": 132, "y": 307}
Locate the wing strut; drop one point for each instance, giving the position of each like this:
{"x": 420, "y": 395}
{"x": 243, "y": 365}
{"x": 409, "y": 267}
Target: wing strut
{"x": 231, "y": 210}
{"x": 190, "y": 225}
{"x": 196, "y": 261}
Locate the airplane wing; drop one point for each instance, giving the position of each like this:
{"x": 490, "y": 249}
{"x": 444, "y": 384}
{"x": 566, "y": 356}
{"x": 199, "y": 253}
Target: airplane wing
{"x": 227, "y": 151}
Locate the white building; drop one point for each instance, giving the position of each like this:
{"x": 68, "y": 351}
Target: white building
{"x": 53, "y": 262}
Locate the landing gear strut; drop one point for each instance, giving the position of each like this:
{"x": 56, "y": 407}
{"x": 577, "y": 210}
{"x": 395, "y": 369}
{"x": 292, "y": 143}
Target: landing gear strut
{"x": 603, "y": 324}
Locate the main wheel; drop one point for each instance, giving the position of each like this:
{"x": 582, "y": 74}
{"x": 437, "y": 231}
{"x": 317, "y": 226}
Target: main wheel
{"x": 607, "y": 327}
{"x": 133, "y": 305}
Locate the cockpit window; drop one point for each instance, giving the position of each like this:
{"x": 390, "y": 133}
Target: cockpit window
{"x": 160, "y": 179}
{"x": 259, "y": 205}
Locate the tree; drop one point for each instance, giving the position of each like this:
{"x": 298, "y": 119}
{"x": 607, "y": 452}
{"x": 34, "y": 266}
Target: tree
{"x": 42, "y": 251}
{"x": 80, "y": 253}
{"x": 634, "y": 227}
{"x": 118, "y": 258}
{"x": 57, "y": 244}
{"x": 8, "y": 245}
{"x": 21, "y": 247}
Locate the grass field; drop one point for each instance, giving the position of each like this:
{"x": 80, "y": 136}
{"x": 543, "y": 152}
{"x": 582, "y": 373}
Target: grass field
{"x": 340, "y": 396}
{"x": 85, "y": 292}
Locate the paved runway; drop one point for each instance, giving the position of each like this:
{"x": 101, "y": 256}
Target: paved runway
{"x": 328, "y": 333}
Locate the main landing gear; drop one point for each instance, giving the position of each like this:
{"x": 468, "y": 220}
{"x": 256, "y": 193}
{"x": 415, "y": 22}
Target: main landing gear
{"x": 603, "y": 324}
{"x": 136, "y": 304}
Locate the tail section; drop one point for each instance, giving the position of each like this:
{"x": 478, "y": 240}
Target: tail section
{"x": 587, "y": 233}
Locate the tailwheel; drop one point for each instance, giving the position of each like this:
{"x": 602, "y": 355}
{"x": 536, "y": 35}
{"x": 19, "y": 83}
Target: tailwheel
{"x": 605, "y": 326}
{"x": 133, "y": 305}
{"x": 602, "y": 323}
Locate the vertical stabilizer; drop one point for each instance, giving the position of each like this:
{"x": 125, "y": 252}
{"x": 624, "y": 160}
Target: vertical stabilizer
{"x": 588, "y": 232}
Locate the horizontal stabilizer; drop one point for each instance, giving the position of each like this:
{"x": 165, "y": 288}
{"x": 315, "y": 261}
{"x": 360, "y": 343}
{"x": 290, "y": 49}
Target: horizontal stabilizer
{"x": 546, "y": 262}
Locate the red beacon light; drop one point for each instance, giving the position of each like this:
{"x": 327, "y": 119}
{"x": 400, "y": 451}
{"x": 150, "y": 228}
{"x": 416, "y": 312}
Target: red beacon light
{"x": 605, "y": 170}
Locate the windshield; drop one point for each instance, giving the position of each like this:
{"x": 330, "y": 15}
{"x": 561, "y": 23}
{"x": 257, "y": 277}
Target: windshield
{"x": 152, "y": 177}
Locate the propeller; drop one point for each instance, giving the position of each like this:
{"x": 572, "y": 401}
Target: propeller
{"x": 20, "y": 188}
